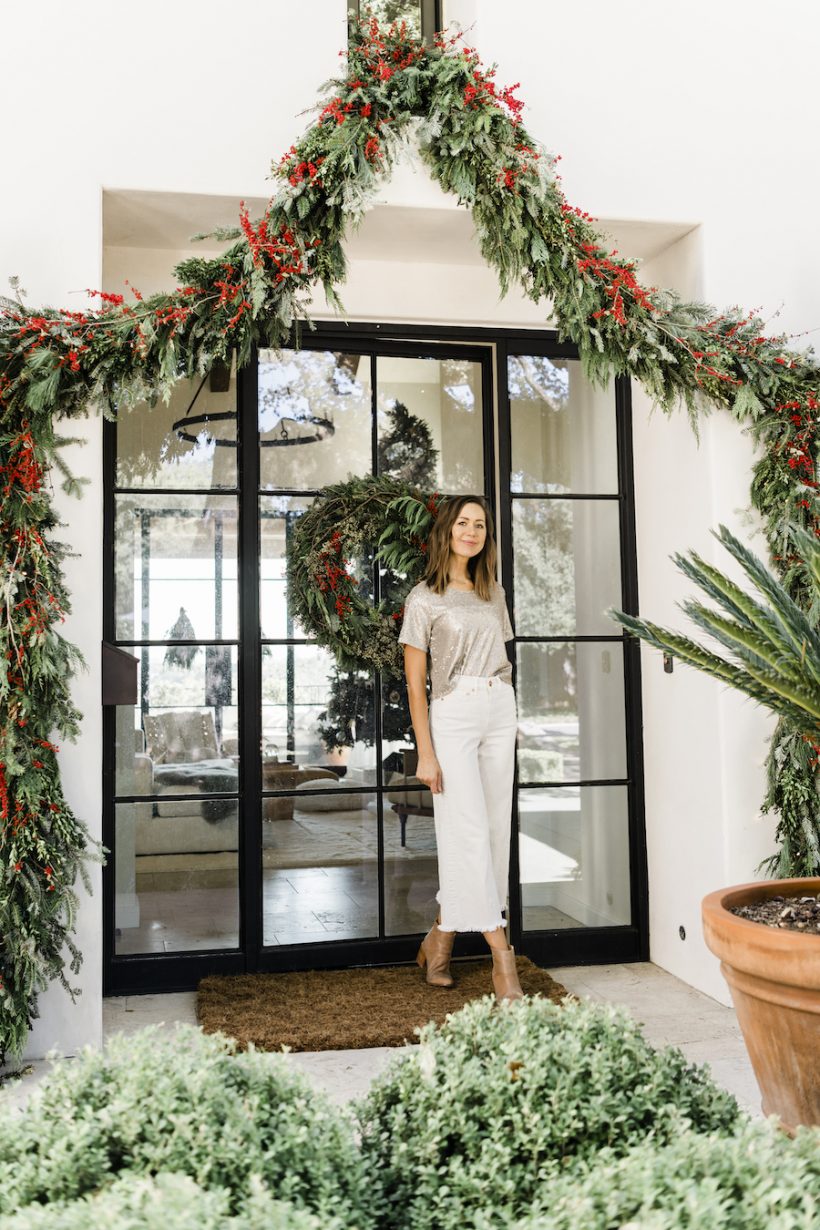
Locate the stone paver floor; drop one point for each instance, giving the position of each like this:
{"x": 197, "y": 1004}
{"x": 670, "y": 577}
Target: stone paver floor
{"x": 670, "y": 1012}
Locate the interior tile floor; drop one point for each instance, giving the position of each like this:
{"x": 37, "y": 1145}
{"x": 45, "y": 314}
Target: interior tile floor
{"x": 670, "y": 1012}
{"x": 300, "y": 905}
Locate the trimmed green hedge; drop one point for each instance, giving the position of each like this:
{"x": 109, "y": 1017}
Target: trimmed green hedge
{"x": 183, "y": 1102}
{"x": 524, "y": 1116}
{"x": 167, "y": 1201}
{"x": 756, "y": 1180}
{"x": 480, "y": 1119}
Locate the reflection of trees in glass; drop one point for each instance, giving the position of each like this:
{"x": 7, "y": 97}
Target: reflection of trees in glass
{"x": 540, "y": 388}
{"x": 388, "y": 11}
{"x": 300, "y": 384}
{"x": 463, "y": 465}
{"x": 149, "y": 451}
{"x": 176, "y": 687}
{"x": 170, "y": 547}
{"x": 547, "y": 697}
{"x": 296, "y": 388}
{"x": 537, "y": 377}
{"x": 544, "y": 568}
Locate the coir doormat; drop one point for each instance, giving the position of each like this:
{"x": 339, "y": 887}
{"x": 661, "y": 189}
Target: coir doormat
{"x": 328, "y": 1010}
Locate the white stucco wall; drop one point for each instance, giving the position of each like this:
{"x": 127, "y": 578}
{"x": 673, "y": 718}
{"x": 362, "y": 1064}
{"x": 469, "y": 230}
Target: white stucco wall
{"x": 698, "y": 113}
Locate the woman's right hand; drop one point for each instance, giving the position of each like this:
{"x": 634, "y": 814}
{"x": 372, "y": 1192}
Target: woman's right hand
{"x": 429, "y": 772}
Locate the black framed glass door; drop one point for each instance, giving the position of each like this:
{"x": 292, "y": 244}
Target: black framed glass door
{"x": 578, "y": 879}
{"x": 261, "y": 804}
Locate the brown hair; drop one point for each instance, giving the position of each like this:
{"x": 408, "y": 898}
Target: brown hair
{"x": 481, "y": 568}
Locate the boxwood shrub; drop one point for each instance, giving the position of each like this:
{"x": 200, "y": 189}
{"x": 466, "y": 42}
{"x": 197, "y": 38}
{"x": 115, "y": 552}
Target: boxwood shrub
{"x": 479, "y": 1119}
{"x": 185, "y": 1102}
{"x": 166, "y": 1202}
{"x": 758, "y": 1179}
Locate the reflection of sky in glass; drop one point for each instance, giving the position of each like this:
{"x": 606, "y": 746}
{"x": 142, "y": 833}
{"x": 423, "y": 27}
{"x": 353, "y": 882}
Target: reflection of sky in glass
{"x": 282, "y": 392}
{"x": 462, "y": 395}
{"x": 197, "y": 454}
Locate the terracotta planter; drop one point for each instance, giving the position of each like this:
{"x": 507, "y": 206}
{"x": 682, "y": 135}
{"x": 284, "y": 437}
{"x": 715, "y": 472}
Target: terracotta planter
{"x": 774, "y": 977}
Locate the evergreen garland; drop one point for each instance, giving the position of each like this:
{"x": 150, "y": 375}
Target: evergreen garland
{"x": 42, "y": 843}
{"x": 55, "y": 362}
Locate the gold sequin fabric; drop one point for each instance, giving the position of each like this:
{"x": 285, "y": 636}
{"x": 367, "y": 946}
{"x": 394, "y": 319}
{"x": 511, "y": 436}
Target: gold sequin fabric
{"x": 463, "y": 634}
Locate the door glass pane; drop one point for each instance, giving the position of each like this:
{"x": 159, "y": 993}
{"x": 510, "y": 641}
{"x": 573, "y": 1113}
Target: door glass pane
{"x": 314, "y": 418}
{"x": 175, "y": 561}
{"x": 567, "y": 566}
{"x": 410, "y": 865}
{"x": 410, "y": 868}
{"x": 430, "y": 423}
{"x": 176, "y": 876}
{"x": 571, "y": 712}
{"x": 563, "y": 429}
{"x": 189, "y": 441}
{"x": 314, "y": 715}
{"x": 320, "y": 869}
{"x": 278, "y": 516}
{"x": 573, "y": 848}
{"x": 182, "y": 738}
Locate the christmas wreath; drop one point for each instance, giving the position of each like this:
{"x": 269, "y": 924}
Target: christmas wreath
{"x": 350, "y": 527}
{"x": 60, "y": 363}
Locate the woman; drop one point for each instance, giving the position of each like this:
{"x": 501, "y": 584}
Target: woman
{"x": 457, "y": 619}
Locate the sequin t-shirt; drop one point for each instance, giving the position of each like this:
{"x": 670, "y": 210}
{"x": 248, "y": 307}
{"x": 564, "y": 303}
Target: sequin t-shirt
{"x": 463, "y": 634}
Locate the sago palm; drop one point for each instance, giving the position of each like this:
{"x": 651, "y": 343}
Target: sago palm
{"x": 775, "y": 651}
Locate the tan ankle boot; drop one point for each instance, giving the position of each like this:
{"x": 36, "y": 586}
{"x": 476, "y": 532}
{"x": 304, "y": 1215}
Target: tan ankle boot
{"x": 434, "y": 953}
{"x": 505, "y": 975}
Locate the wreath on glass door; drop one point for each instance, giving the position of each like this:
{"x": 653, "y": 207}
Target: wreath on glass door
{"x": 60, "y": 363}
{"x": 350, "y": 527}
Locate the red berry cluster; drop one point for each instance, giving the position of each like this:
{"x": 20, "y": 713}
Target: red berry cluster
{"x": 280, "y": 250}
{"x": 482, "y": 91}
{"x": 799, "y": 447}
{"x": 333, "y": 578}
{"x": 23, "y": 469}
{"x": 616, "y": 277}
{"x": 298, "y": 171}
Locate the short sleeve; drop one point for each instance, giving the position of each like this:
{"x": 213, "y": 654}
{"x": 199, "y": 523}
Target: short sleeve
{"x": 507, "y": 632}
{"x": 415, "y": 628}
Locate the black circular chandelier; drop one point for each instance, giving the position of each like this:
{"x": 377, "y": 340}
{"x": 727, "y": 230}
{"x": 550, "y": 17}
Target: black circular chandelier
{"x": 307, "y": 429}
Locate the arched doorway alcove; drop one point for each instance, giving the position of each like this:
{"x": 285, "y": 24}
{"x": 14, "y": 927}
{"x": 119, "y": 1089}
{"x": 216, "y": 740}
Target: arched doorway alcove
{"x": 317, "y": 849}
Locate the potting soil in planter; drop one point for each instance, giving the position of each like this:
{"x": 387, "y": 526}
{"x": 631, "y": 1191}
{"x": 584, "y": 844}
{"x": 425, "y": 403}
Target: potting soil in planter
{"x": 791, "y": 913}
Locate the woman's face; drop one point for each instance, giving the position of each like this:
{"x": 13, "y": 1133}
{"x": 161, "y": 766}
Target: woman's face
{"x": 469, "y": 532}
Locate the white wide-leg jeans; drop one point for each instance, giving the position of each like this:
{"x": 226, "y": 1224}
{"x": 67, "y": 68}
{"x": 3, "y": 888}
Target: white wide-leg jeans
{"x": 473, "y": 730}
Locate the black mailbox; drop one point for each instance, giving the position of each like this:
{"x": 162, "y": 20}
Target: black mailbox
{"x": 119, "y": 676}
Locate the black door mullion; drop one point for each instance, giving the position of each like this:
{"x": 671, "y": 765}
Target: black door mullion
{"x": 376, "y": 682}
{"x": 250, "y": 674}
{"x": 508, "y": 581}
{"x": 109, "y": 735}
{"x": 639, "y": 873}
